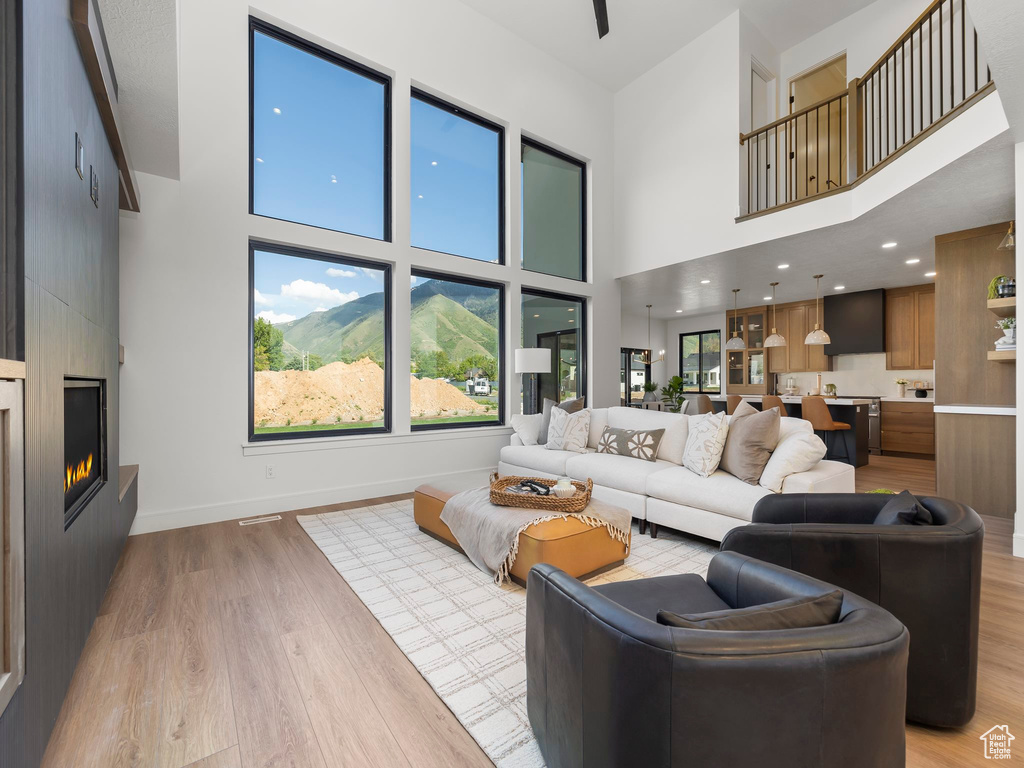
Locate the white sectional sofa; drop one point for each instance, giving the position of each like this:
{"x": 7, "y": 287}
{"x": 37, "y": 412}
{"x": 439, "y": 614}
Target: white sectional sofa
{"x": 664, "y": 492}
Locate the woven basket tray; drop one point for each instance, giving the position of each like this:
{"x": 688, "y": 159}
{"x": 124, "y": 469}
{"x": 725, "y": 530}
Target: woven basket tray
{"x": 575, "y": 503}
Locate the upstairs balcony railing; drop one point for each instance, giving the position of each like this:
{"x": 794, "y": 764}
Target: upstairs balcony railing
{"x": 933, "y": 71}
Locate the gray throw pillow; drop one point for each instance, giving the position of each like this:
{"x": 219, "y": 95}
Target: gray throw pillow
{"x": 636, "y": 443}
{"x": 791, "y": 613}
{"x": 753, "y": 435}
{"x": 569, "y": 406}
{"x": 904, "y": 509}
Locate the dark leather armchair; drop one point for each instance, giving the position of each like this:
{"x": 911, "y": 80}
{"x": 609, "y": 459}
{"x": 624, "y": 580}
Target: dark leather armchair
{"x": 608, "y": 686}
{"x": 928, "y": 577}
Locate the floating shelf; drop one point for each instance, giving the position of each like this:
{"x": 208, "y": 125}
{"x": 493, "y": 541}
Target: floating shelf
{"x": 1006, "y": 356}
{"x": 1003, "y": 307}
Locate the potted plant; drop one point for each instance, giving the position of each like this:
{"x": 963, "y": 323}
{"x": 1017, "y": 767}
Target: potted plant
{"x": 901, "y": 387}
{"x": 1008, "y": 325}
{"x": 672, "y": 394}
{"x": 651, "y": 392}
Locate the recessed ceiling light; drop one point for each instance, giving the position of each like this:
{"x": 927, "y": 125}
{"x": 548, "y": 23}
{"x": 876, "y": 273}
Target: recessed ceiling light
{"x": 890, "y": 244}
{"x": 571, "y": 309}
{"x": 259, "y": 159}
{"x": 913, "y": 261}
{"x": 572, "y": 321}
{"x": 767, "y": 298}
{"x": 277, "y": 110}
{"x": 679, "y": 311}
{"x": 536, "y": 315}
{"x": 840, "y": 288}
{"x": 929, "y": 274}
{"x": 704, "y": 282}
{"x": 783, "y": 266}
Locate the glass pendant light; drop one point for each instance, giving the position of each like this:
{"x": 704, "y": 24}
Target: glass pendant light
{"x": 736, "y": 342}
{"x": 1007, "y": 243}
{"x": 776, "y": 339}
{"x": 818, "y": 335}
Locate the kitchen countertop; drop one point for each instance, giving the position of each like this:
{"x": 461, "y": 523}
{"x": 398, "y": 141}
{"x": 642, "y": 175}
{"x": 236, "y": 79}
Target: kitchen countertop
{"x": 929, "y": 399}
{"x": 795, "y": 399}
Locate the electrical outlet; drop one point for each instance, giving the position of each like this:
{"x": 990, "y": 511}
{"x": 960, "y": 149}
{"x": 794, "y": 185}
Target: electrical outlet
{"x": 270, "y": 472}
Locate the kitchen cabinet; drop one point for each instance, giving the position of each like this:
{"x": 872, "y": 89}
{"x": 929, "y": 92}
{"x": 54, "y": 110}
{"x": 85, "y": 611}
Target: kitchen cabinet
{"x": 746, "y": 370}
{"x": 794, "y": 321}
{"x": 910, "y": 328}
{"x": 908, "y": 428}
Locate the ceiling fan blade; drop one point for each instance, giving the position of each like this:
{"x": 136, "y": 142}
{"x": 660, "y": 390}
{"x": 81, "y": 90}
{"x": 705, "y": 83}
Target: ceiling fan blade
{"x": 601, "y": 12}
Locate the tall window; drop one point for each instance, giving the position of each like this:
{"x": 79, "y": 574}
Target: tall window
{"x": 700, "y": 361}
{"x": 556, "y": 323}
{"x": 320, "y": 125}
{"x": 457, "y": 181}
{"x": 634, "y": 376}
{"x": 554, "y": 212}
{"x": 320, "y": 335}
{"x": 456, "y": 336}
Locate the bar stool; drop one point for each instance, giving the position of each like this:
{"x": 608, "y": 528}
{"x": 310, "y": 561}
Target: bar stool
{"x": 815, "y": 410}
{"x": 732, "y": 402}
{"x": 703, "y": 404}
{"x": 774, "y": 401}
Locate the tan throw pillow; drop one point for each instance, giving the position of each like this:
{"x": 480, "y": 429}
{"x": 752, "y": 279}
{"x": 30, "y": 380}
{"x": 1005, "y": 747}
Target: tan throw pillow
{"x": 568, "y": 431}
{"x": 753, "y": 435}
{"x": 705, "y": 442}
{"x": 635, "y": 443}
{"x": 569, "y": 406}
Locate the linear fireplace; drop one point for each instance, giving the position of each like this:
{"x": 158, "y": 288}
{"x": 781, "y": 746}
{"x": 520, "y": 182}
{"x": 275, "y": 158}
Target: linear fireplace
{"x": 85, "y": 443}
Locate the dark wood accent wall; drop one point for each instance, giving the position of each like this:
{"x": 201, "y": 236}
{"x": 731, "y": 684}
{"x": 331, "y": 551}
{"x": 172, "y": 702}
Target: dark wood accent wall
{"x": 71, "y": 327}
{"x": 975, "y": 455}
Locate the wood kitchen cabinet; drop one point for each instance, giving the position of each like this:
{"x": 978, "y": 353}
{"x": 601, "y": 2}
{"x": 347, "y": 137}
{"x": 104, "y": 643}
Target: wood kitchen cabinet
{"x": 746, "y": 370}
{"x": 908, "y": 428}
{"x": 910, "y": 328}
{"x": 794, "y": 321}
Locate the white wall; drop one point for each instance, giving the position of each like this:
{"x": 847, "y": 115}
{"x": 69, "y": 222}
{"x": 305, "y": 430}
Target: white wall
{"x": 858, "y": 375}
{"x": 184, "y": 258}
{"x": 673, "y": 329}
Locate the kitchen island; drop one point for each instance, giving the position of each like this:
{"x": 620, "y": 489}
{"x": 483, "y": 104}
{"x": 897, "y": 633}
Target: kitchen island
{"x": 852, "y": 410}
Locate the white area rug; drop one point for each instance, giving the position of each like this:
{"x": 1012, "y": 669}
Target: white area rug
{"x": 466, "y": 636}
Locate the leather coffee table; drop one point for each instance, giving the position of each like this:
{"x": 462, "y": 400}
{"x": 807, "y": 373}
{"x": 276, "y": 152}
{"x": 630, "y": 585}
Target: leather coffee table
{"x": 570, "y": 544}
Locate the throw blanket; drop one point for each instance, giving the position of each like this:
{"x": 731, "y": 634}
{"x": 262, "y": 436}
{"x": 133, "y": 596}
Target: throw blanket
{"x": 489, "y": 534}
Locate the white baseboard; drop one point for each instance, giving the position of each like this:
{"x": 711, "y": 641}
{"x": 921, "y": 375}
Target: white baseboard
{"x": 1018, "y": 544}
{"x": 148, "y": 522}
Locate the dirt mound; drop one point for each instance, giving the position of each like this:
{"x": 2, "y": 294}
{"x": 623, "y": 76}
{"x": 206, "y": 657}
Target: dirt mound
{"x": 344, "y": 392}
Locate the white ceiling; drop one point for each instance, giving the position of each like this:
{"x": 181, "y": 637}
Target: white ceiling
{"x": 848, "y": 254}
{"x": 645, "y": 32}
{"x": 143, "y": 39}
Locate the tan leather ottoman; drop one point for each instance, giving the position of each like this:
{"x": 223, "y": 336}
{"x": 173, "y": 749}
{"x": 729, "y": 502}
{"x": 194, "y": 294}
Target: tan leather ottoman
{"x": 570, "y": 544}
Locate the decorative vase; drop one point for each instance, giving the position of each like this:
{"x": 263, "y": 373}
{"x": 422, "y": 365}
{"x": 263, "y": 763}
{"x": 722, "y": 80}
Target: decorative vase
{"x": 650, "y": 397}
{"x": 901, "y": 390}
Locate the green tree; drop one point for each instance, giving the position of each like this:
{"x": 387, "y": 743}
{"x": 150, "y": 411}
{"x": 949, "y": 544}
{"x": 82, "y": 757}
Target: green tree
{"x": 267, "y": 346}
{"x": 485, "y": 363}
{"x": 435, "y": 365}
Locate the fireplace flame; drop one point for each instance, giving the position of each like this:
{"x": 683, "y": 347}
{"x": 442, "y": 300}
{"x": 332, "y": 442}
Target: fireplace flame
{"x": 74, "y": 475}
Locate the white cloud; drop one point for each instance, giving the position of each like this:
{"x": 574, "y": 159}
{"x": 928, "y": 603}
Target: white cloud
{"x": 274, "y": 318}
{"x": 317, "y": 293}
{"x": 373, "y": 274}
{"x": 335, "y": 272}
{"x": 320, "y": 309}
{"x": 260, "y": 299}
{"x": 413, "y": 279}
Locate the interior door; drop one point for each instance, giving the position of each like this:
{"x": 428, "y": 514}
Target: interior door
{"x": 818, "y": 147}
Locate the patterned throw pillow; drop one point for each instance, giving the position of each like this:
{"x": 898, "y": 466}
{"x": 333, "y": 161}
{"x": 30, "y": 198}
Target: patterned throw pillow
{"x": 568, "y": 431}
{"x": 639, "y": 444}
{"x": 705, "y": 443}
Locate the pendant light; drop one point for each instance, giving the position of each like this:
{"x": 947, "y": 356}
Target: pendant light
{"x": 776, "y": 339}
{"x": 736, "y": 342}
{"x": 818, "y": 335}
{"x": 646, "y": 358}
{"x": 1007, "y": 243}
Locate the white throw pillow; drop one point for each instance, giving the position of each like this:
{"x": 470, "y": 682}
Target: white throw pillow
{"x": 598, "y": 421}
{"x": 527, "y": 426}
{"x": 705, "y": 443}
{"x": 796, "y": 452}
{"x": 568, "y": 431}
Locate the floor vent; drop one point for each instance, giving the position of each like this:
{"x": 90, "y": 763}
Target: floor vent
{"x": 255, "y": 520}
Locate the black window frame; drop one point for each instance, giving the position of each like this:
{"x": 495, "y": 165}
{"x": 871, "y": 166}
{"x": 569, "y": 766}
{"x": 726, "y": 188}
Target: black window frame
{"x": 434, "y": 101}
{"x": 583, "y": 327}
{"x": 700, "y": 371}
{"x": 258, "y": 25}
{"x": 533, "y": 144}
{"x": 345, "y": 261}
{"x": 631, "y": 353}
{"x": 502, "y": 373}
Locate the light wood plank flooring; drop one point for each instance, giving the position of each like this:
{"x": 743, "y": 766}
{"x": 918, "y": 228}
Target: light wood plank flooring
{"x": 224, "y": 646}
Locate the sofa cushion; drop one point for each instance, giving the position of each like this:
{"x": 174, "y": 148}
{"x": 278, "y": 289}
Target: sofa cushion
{"x": 685, "y": 593}
{"x": 598, "y": 421}
{"x": 791, "y": 613}
{"x": 620, "y": 472}
{"x": 568, "y": 431}
{"x": 527, "y": 427}
{"x": 797, "y": 452}
{"x": 705, "y": 443}
{"x": 639, "y": 444}
{"x": 904, "y": 509}
{"x": 674, "y": 424}
{"x": 536, "y": 457}
{"x": 720, "y": 492}
{"x": 753, "y": 435}
{"x": 570, "y": 406}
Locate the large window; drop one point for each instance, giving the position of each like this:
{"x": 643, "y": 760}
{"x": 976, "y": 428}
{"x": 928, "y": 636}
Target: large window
{"x": 700, "y": 361}
{"x": 553, "y": 212}
{"x": 320, "y": 125}
{"x": 320, "y": 336}
{"x": 457, "y": 181}
{"x": 456, "y": 338}
{"x": 634, "y": 376}
{"x": 556, "y": 323}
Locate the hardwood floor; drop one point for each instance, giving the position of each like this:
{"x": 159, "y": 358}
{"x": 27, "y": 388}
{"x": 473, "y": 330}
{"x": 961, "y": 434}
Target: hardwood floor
{"x": 227, "y": 646}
